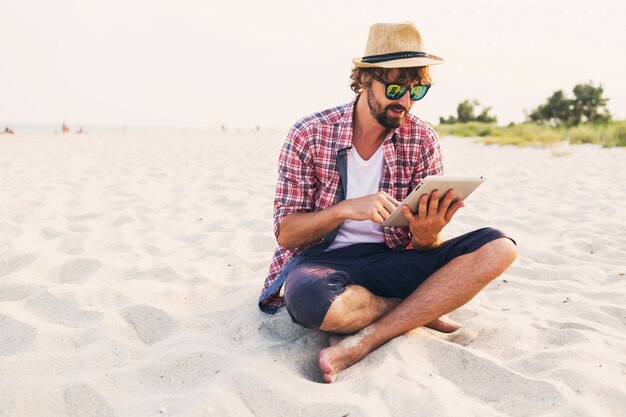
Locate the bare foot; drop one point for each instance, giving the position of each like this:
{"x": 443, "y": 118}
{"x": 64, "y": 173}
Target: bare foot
{"x": 343, "y": 352}
{"x": 444, "y": 325}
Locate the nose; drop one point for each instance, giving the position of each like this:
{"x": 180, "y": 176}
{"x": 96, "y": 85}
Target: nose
{"x": 405, "y": 100}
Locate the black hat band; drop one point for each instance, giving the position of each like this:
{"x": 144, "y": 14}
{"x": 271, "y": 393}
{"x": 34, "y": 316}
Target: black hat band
{"x": 372, "y": 59}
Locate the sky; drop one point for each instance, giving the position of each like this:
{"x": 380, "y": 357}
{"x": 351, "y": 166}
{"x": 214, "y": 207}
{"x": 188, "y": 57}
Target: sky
{"x": 192, "y": 63}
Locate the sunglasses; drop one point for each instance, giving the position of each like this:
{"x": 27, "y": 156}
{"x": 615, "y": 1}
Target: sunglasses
{"x": 394, "y": 91}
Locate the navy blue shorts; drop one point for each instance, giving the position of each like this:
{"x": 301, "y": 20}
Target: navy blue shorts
{"x": 312, "y": 286}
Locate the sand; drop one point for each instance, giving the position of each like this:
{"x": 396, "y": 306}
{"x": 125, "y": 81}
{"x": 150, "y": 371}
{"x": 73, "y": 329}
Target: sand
{"x": 130, "y": 268}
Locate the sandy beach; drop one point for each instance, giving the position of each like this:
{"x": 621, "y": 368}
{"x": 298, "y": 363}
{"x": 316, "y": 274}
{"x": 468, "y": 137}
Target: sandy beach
{"x": 131, "y": 265}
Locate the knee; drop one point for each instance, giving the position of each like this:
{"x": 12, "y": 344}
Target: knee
{"x": 350, "y": 311}
{"x": 337, "y": 316}
{"x": 502, "y": 252}
{"x": 506, "y": 249}
{"x": 310, "y": 292}
{"x": 500, "y": 245}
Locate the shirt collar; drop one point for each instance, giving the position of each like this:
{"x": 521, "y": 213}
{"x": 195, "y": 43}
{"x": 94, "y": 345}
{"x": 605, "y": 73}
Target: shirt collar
{"x": 344, "y": 138}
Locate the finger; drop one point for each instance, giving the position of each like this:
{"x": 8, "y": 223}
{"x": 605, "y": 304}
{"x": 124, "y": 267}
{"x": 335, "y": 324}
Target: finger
{"x": 389, "y": 206}
{"x": 393, "y": 201}
{"x": 434, "y": 202}
{"x": 386, "y": 199}
{"x": 407, "y": 214}
{"x": 383, "y": 211}
{"x": 445, "y": 203}
{"x": 421, "y": 209}
{"x": 377, "y": 218}
{"x": 453, "y": 209}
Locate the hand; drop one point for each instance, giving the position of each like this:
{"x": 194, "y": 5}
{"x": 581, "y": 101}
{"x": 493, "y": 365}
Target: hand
{"x": 431, "y": 218}
{"x": 375, "y": 207}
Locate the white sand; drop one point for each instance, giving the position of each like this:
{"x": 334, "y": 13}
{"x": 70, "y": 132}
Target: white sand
{"x": 130, "y": 267}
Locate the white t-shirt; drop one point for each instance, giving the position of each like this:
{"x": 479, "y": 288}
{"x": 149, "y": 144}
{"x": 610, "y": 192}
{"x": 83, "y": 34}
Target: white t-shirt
{"x": 363, "y": 179}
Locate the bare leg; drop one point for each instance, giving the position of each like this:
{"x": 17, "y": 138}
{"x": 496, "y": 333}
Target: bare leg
{"x": 355, "y": 309}
{"x": 447, "y": 289}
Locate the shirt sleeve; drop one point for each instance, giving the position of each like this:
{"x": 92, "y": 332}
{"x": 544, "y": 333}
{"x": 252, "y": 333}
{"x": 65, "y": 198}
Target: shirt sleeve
{"x": 295, "y": 190}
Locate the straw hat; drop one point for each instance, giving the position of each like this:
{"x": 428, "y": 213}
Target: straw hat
{"x": 395, "y": 45}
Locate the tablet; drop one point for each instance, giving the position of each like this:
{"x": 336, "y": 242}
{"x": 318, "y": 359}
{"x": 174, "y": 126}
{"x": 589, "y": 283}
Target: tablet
{"x": 463, "y": 186}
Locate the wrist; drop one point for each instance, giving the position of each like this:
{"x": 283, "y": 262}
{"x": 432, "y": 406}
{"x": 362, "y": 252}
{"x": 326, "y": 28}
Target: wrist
{"x": 425, "y": 243}
{"x": 340, "y": 212}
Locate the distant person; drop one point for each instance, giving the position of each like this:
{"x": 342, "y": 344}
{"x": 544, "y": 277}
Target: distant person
{"x": 80, "y": 130}
{"x": 65, "y": 128}
{"x": 8, "y": 131}
{"x": 341, "y": 172}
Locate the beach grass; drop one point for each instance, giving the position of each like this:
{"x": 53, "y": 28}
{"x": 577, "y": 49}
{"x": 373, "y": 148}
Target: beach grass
{"x": 530, "y": 134}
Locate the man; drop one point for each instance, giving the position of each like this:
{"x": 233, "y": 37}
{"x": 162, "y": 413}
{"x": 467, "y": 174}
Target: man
{"x": 341, "y": 173}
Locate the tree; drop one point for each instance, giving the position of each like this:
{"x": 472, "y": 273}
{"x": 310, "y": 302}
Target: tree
{"x": 556, "y": 110}
{"x": 485, "y": 117}
{"x": 450, "y": 120}
{"x": 587, "y": 106}
{"x": 466, "y": 113}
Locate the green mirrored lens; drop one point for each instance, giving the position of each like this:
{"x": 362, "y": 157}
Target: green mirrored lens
{"x": 395, "y": 91}
{"x": 418, "y": 92}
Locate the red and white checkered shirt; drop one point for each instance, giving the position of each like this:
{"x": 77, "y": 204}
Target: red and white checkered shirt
{"x": 308, "y": 177}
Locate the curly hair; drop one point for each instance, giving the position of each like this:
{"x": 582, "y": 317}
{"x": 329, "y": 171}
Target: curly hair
{"x": 362, "y": 77}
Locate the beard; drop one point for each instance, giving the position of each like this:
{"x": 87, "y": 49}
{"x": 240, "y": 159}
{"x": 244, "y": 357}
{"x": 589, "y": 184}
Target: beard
{"x": 380, "y": 113}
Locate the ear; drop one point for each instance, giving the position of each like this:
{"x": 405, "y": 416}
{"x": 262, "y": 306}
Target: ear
{"x": 366, "y": 85}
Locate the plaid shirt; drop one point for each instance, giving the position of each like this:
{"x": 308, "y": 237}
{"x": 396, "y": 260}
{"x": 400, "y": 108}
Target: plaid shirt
{"x": 308, "y": 178}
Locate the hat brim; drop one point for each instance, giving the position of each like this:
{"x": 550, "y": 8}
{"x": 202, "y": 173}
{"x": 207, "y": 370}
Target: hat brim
{"x": 400, "y": 63}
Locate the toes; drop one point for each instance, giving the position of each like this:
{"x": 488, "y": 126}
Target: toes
{"x": 324, "y": 362}
{"x": 444, "y": 325}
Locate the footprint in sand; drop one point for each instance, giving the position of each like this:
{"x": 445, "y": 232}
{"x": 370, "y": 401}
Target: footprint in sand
{"x": 82, "y": 400}
{"x": 192, "y": 238}
{"x": 263, "y": 243}
{"x": 16, "y": 293}
{"x": 61, "y": 311}
{"x": 463, "y": 368}
{"x": 181, "y": 371}
{"x": 78, "y": 228}
{"x": 151, "y": 324}
{"x": 556, "y": 337}
{"x": 259, "y": 226}
{"x": 71, "y": 245}
{"x": 9, "y": 231}
{"x": 15, "y": 263}
{"x": 84, "y": 217}
{"x": 15, "y": 336}
{"x": 78, "y": 270}
{"x": 157, "y": 274}
{"x": 121, "y": 221}
{"x": 50, "y": 233}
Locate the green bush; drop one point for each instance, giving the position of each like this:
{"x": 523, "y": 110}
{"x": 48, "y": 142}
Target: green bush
{"x": 583, "y": 134}
{"x": 531, "y": 134}
{"x": 526, "y": 134}
{"x": 467, "y": 129}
